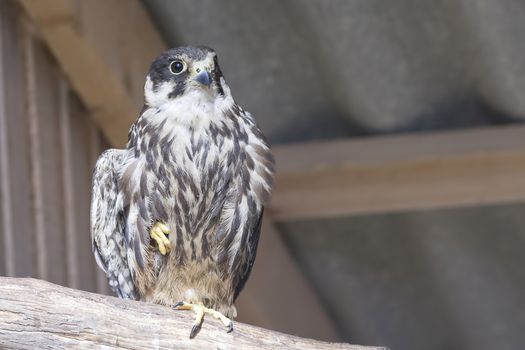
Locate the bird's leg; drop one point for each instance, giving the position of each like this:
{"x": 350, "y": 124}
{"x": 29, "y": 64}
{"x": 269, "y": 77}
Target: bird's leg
{"x": 158, "y": 232}
{"x": 200, "y": 310}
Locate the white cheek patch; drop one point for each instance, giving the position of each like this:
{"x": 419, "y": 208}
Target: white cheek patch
{"x": 160, "y": 96}
{"x": 226, "y": 102}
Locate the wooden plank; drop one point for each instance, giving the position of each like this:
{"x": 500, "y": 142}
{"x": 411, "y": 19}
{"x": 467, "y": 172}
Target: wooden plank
{"x": 44, "y": 114}
{"x": 400, "y": 173}
{"x": 278, "y": 296}
{"x": 37, "y": 186}
{"x": 6, "y": 224}
{"x": 16, "y": 194}
{"x": 81, "y": 162}
{"x": 83, "y": 36}
{"x": 70, "y": 210}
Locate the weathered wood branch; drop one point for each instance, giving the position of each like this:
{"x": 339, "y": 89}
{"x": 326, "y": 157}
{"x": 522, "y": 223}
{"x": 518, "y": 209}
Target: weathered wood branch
{"x": 38, "y": 314}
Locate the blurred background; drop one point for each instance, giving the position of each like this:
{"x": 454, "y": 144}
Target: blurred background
{"x": 398, "y": 217}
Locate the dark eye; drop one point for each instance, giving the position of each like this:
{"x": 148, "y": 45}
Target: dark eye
{"x": 177, "y": 67}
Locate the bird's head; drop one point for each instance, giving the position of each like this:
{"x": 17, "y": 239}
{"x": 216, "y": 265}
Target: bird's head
{"x": 181, "y": 70}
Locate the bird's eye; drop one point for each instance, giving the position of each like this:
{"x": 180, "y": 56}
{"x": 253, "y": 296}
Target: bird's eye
{"x": 177, "y": 67}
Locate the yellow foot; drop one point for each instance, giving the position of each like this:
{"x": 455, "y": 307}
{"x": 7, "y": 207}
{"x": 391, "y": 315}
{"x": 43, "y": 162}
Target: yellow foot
{"x": 158, "y": 232}
{"x": 200, "y": 310}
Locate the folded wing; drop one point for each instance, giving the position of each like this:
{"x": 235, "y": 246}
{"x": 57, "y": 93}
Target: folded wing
{"x": 108, "y": 223}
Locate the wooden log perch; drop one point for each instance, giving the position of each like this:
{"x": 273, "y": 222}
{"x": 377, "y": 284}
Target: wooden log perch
{"x": 38, "y": 314}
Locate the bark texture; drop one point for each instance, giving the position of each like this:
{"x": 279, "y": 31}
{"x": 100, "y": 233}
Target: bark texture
{"x": 38, "y": 314}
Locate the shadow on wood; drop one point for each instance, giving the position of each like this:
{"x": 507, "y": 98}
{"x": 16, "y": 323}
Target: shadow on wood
{"x": 35, "y": 313}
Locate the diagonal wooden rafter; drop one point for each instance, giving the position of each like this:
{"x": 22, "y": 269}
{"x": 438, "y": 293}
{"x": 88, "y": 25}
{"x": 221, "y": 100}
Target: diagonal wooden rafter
{"x": 400, "y": 173}
{"x": 104, "y": 48}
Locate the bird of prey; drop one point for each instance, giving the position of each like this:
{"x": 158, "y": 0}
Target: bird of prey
{"x": 176, "y": 215}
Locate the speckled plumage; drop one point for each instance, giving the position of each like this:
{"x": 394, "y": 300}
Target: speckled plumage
{"x": 198, "y": 163}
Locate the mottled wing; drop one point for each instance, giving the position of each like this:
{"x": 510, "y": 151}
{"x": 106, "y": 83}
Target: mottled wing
{"x": 107, "y": 224}
{"x": 241, "y": 218}
{"x": 246, "y": 267}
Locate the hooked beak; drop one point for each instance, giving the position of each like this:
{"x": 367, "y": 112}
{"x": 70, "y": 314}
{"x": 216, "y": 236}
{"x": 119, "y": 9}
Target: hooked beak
{"x": 204, "y": 78}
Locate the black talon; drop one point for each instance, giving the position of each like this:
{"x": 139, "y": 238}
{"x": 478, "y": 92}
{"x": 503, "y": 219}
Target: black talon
{"x": 180, "y": 303}
{"x": 194, "y": 330}
{"x": 230, "y": 327}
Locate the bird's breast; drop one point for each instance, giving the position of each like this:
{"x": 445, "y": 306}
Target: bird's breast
{"x": 191, "y": 167}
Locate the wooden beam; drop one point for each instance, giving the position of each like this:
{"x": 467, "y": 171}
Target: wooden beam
{"x": 278, "y": 296}
{"x": 35, "y": 313}
{"x": 104, "y": 48}
{"x": 400, "y": 173}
